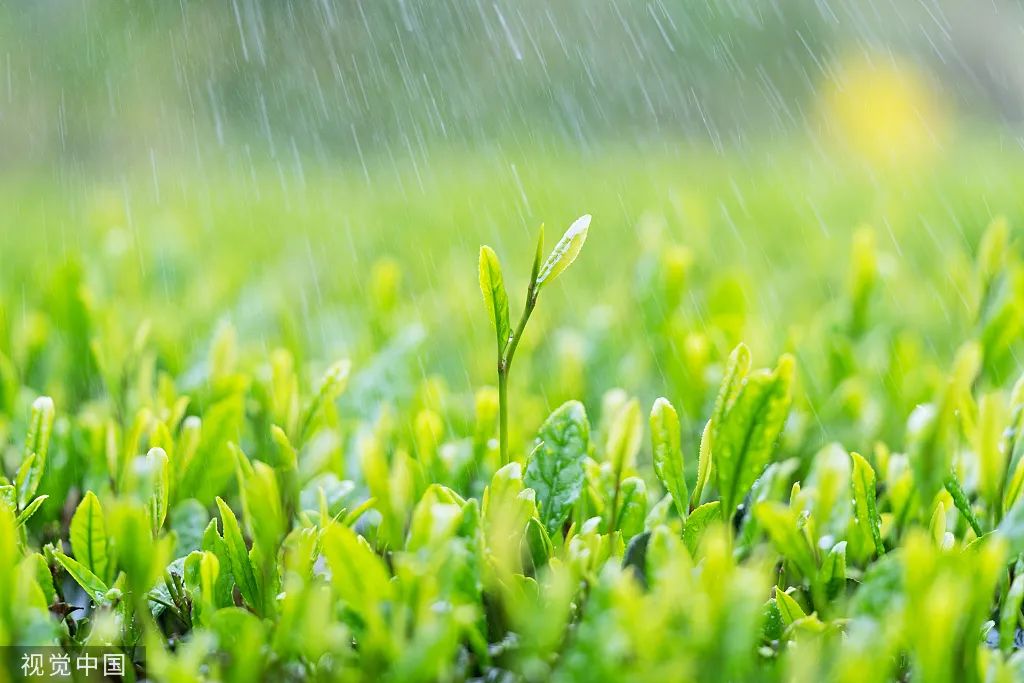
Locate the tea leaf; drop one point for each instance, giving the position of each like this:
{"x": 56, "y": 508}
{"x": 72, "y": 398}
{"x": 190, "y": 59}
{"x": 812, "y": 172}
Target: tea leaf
{"x": 555, "y": 470}
{"x": 37, "y": 445}
{"x": 789, "y": 608}
{"x": 782, "y": 526}
{"x": 331, "y": 387}
{"x": 624, "y": 438}
{"x": 667, "y": 453}
{"x": 238, "y": 556}
{"x": 358, "y": 575}
{"x": 30, "y": 509}
{"x": 952, "y": 484}
{"x": 89, "y": 535}
{"x": 492, "y": 286}
{"x": 633, "y": 507}
{"x": 703, "y": 464}
{"x": 158, "y": 464}
{"x": 865, "y": 508}
{"x": 744, "y": 442}
{"x": 566, "y": 251}
{"x": 1009, "y": 615}
{"x": 698, "y": 521}
{"x": 538, "y": 543}
{"x": 91, "y": 583}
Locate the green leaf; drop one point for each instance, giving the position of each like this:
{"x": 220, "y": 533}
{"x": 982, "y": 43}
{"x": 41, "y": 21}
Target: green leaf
{"x": 434, "y": 521}
{"x": 538, "y": 258}
{"x": 8, "y": 496}
{"x": 930, "y": 429}
{"x": 89, "y": 535}
{"x": 492, "y": 286}
{"x": 743, "y": 445}
{"x": 703, "y": 464}
{"x": 833, "y": 570}
{"x": 358, "y": 575}
{"x": 789, "y": 609}
{"x": 699, "y": 520}
{"x": 331, "y": 387}
{"x": 566, "y": 251}
{"x": 667, "y": 452}
{"x": 937, "y": 525}
{"x": 238, "y": 556}
{"x": 188, "y": 521}
{"x": 209, "y": 471}
{"x": 993, "y": 414}
{"x": 157, "y": 460}
{"x": 736, "y": 369}
{"x": 23, "y": 480}
{"x": 1009, "y": 613}
{"x": 956, "y": 492}
{"x": 624, "y": 438}
{"x": 635, "y": 557}
{"x": 867, "y": 518}
{"x": 92, "y": 584}
{"x": 141, "y": 557}
{"x": 37, "y": 445}
{"x": 43, "y": 577}
{"x": 30, "y": 509}
{"x": 214, "y": 543}
{"x": 205, "y": 573}
{"x": 537, "y": 543}
{"x": 633, "y": 509}
{"x": 783, "y": 527}
{"x": 773, "y": 626}
{"x": 555, "y": 471}
{"x": 264, "y": 498}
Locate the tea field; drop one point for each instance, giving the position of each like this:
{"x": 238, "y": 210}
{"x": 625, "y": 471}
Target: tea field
{"x": 755, "y": 416}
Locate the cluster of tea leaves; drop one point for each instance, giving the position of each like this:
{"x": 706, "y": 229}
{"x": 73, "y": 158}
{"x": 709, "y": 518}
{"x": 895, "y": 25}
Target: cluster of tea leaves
{"x": 850, "y": 510}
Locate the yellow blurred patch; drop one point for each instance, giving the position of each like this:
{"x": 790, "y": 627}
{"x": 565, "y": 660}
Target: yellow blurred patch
{"x": 883, "y": 111}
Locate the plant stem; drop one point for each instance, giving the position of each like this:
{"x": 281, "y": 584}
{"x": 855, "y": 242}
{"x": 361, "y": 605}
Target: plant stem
{"x": 503, "y": 413}
{"x": 504, "y": 365}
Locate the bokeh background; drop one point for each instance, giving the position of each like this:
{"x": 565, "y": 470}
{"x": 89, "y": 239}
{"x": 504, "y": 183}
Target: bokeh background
{"x": 319, "y": 175}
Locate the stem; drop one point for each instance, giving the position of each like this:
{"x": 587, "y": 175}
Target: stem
{"x": 503, "y": 413}
{"x": 504, "y": 365}
{"x": 171, "y": 608}
{"x": 531, "y": 303}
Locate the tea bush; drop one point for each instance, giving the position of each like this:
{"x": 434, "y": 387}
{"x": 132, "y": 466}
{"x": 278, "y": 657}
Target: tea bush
{"x": 798, "y": 460}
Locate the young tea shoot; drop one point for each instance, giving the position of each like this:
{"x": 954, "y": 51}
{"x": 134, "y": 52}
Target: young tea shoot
{"x": 492, "y": 286}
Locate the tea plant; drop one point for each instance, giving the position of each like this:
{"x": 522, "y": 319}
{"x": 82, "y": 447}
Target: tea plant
{"x": 667, "y": 501}
{"x": 492, "y": 286}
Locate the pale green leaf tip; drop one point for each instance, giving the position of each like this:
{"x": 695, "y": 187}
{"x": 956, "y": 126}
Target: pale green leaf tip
{"x": 157, "y": 453}
{"x": 662, "y": 404}
{"x": 787, "y": 364}
{"x": 566, "y": 251}
{"x": 43, "y": 404}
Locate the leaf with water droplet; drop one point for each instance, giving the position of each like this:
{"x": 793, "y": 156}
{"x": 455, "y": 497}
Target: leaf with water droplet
{"x": 566, "y": 251}
{"x": 555, "y": 471}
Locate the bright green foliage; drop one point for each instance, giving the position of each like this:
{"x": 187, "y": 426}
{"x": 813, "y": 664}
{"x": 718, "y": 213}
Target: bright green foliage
{"x": 752, "y": 415}
{"x": 88, "y": 535}
{"x": 37, "y": 446}
{"x": 555, "y": 470}
{"x": 866, "y": 519}
{"x": 238, "y": 556}
{"x": 565, "y": 252}
{"x": 492, "y": 286}
{"x": 207, "y": 481}
{"x": 667, "y": 453}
